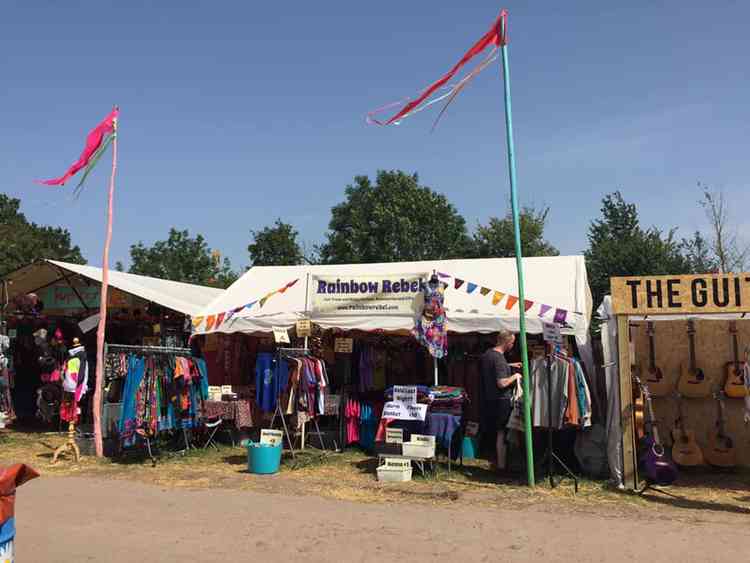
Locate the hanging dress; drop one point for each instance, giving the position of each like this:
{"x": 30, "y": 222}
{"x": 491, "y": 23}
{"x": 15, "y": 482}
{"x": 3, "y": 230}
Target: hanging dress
{"x": 431, "y": 329}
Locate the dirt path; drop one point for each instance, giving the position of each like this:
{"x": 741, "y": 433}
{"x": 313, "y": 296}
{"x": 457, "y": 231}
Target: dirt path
{"x": 85, "y": 519}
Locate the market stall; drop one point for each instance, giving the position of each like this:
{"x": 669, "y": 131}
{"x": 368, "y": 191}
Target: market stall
{"x": 684, "y": 338}
{"x": 367, "y": 332}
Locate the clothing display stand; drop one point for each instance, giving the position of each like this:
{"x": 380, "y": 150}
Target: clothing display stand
{"x": 550, "y": 455}
{"x": 147, "y": 350}
{"x": 70, "y": 444}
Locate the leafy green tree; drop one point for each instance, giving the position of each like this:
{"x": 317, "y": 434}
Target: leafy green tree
{"x": 496, "y": 239}
{"x": 22, "y": 242}
{"x": 394, "y": 219}
{"x": 275, "y": 246}
{"x": 619, "y": 246}
{"x": 182, "y": 258}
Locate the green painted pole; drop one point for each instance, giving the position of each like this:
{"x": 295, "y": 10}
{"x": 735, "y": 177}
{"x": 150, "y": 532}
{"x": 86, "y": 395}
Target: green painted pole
{"x": 519, "y": 261}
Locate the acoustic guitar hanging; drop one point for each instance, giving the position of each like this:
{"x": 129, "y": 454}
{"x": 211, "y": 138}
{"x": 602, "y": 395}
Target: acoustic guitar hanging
{"x": 685, "y": 450}
{"x": 720, "y": 451}
{"x": 658, "y": 385}
{"x": 655, "y": 464}
{"x": 693, "y": 382}
{"x": 735, "y": 371}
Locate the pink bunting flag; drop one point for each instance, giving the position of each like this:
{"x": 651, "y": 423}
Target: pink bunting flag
{"x": 527, "y": 304}
{"x": 544, "y": 310}
{"x": 457, "y": 283}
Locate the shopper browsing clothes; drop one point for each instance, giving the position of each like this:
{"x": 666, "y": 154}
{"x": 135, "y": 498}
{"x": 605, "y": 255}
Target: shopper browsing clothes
{"x": 497, "y": 389}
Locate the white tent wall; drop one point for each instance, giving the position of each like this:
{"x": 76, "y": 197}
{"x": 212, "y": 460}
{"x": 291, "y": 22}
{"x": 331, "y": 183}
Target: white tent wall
{"x": 559, "y": 282}
{"x": 612, "y": 381}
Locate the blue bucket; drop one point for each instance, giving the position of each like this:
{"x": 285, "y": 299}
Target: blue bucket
{"x": 470, "y": 448}
{"x": 263, "y": 459}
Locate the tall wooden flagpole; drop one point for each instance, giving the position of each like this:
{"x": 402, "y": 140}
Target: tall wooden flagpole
{"x": 519, "y": 256}
{"x": 101, "y": 332}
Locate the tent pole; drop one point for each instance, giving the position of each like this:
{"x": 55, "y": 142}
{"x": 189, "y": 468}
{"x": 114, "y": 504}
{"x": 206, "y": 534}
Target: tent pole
{"x": 519, "y": 259}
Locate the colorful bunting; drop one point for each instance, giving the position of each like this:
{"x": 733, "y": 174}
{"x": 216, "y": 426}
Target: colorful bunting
{"x": 527, "y": 304}
{"x": 471, "y": 287}
{"x": 197, "y": 321}
{"x": 442, "y": 275}
{"x": 484, "y": 291}
{"x": 560, "y": 316}
{"x": 497, "y": 297}
{"x": 512, "y": 300}
{"x": 220, "y": 319}
{"x": 457, "y": 283}
{"x": 210, "y": 321}
{"x": 543, "y": 310}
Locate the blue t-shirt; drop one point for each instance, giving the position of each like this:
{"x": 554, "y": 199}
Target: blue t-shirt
{"x": 264, "y": 392}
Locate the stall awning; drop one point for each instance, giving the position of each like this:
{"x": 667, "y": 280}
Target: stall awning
{"x": 478, "y": 298}
{"x": 184, "y": 298}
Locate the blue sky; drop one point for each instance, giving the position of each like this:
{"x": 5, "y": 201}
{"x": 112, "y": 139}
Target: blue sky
{"x": 235, "y": 113}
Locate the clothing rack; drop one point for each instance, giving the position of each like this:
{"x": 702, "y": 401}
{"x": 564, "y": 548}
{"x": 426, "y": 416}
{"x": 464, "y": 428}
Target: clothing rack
{"x": 551, "y": 456}
{"x": 149, "y": 349}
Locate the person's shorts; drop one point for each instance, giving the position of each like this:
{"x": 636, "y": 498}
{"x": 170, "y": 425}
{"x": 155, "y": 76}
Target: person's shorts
{"x": 498, "y": 412}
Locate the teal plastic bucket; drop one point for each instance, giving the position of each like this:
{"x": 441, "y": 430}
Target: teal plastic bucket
{"x": 470, "y": 448}
{"x": 263, "y": 459}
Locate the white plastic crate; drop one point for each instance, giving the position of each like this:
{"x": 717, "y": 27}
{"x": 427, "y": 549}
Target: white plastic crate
{"x": 395, "y": 470}
{"x": 419, "y": 446}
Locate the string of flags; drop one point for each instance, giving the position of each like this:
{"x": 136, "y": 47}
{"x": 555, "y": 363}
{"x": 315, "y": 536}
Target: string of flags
{"x": 215, "y": 321}
{"x": 560, "y": 315}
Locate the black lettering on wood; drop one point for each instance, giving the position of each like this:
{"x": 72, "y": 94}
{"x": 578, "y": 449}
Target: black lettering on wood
{"x": 634, "y": 291}
{"x": 737, "y": 293}
{"x": 673, "y": 294}
{"x": 721, "y": 295}
{"x": 698, "y": 292}
{"x": 651, "y": 293}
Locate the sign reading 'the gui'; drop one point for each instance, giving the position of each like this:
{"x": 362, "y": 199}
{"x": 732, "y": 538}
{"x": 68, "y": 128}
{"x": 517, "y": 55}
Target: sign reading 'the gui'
{"x": 664, "y": 295}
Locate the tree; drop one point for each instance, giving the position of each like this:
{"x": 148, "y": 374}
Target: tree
{"x": 275, "y": 246}
{"x": 730, "y": 253}
{"x": 23, "y": 242}
{"x": 618, "y": 246}
{"x": 393, "y": 220}
{"x": 182, "y": 258}
{"x": 496, "y": 239}
{"x": 698, "y": 254}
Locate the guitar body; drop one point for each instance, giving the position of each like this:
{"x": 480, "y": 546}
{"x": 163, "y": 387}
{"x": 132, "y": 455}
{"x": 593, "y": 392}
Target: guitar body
{"x": 686, "y": 451}
{"x": 694, "y": 384}
{"x": 657, "y": 383}
{"x": 721, "y": 451}
{"x": 735, "y": 384}
{"x": 655, "y": 464}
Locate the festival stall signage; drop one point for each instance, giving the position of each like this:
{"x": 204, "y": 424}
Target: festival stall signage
{"x": 664, "y": 295}
{"x": 65, "y": 297}
{"x": 377, "y": 295}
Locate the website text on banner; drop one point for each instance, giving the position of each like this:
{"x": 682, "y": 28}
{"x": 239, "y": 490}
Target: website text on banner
{"x": 377, "y": 295}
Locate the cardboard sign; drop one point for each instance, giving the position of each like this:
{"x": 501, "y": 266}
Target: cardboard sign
{"x": 394, "y": 436}
{"x": 400, "y": 411}
{"x": 343, "y": 345}
{"x": 406, "y": 394}
{"x": 271, "y": 437}
{"x": 304, "y": 328}
{"x": 280, "y": 335}
{"x": 89, "y": 323}
{"x": 397, "y": 463}
{"x": 226, "y": 390}
{"x": 551, "y": 333}
{"x": 664, "y": 295}
{"x": 214, "y": 393}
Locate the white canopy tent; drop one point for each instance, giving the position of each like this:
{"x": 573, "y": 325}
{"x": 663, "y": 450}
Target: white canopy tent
{"x": 184, "y": 298}
{"x": 558, "y": 282}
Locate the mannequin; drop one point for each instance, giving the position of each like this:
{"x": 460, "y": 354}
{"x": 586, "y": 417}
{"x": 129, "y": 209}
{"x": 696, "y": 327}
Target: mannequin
{"x": 75, "y": 381}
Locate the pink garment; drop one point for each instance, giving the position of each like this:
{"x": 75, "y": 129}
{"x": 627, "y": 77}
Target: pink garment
{"x": 352, "y": 421}
{"x": 93, "y": 142}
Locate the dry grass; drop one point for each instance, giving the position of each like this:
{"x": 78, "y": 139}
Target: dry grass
{"x": 350, "y": 476}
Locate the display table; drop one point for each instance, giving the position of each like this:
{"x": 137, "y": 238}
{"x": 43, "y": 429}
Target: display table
{"x": 239, "y": 412}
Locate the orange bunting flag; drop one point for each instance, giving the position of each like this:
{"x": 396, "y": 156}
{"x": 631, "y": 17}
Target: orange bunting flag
{"x": 527, "y": 304}
{"x": 512, "y": 300}
{"x": 210, "y": 320}
{"x": 497, "y": 297}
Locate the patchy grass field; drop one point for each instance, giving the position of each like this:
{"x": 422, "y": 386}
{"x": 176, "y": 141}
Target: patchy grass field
{"x": 351, "y": 476}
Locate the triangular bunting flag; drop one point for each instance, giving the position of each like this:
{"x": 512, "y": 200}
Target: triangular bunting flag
{"x": 471, "y": 287}
{"x": 560, "y": 316}
{"x": 238, "y": 309}
{"x": 250, "y": 305}
{"x": 485, "y": 290}
{"x": 197, "y": 321}
{"x": 283, "y": 289}
{"x": 442, "y": 275}
{"x": 543, "y": 310}
{"x": 263, "y": 300}
{"x": 210, "y": 320}
{"x": 291, "y": 283}
{"x": 457, "y": 283}
{"x": 497, "y": 297}
{"x": 230, "y": 314}
{"x": 527, "y": 304}
{"x": 220, "y": 319}
{"x": 512, "y": 300}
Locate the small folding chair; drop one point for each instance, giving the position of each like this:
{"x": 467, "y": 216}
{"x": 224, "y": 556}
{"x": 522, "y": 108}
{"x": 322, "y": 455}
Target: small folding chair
{"x": 213, "y": 426}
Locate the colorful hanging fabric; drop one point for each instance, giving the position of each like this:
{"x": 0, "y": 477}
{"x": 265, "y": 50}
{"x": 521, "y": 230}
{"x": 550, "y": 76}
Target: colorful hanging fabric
{"x": 527, "y": 304}
{"x": 471, "y": 287}
{"x": 431, "y": 329}
{"x": 96, "y": 142}
{"x": 497, "y": 297}
{"x": 512, "y": 300}
{"x": 560, "y": 316}
{"x": 544, "y": 309}
{"x": 485, "y": 291}
{"x": 457, "y": 283}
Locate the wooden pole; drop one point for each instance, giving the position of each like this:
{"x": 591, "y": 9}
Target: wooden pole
{"x": 101, "y": 331}
{"x": 630, "y": 467}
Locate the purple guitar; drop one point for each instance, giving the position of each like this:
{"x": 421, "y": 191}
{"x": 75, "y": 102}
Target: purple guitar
{"x": 657, "y": 467}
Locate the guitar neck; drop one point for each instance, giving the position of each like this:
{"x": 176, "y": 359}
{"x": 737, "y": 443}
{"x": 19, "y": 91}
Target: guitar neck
{"x": 651, "y": 351}
{"x": 720, "y": 421}
{"x": 652, "y": 420}
{"x": 691, "y": 339}
{"x": 735, "y": 351}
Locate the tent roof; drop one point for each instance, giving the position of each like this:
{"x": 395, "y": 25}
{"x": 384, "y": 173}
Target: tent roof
{"x": 184, "y": 298}
{"x": 558, "y": 281}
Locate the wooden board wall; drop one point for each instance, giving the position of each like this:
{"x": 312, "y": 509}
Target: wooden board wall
{"x": 713, "y": 349}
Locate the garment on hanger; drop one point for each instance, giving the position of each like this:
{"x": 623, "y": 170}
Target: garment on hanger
{"x": 431, "y": 329}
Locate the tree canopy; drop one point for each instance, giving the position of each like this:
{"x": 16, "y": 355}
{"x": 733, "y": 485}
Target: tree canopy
{"x": 619, "y": 246}
{"x": 394, "y": 219}
{"x": 24, "y": 241}
{"x": 182, "y": 258}
{"x": 496, "y": 239}
{"x": 275, "y": 246}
